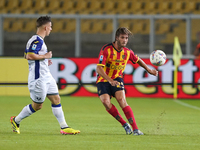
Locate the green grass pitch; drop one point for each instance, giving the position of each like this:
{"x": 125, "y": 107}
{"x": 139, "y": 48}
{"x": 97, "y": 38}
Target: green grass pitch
{"x": 167, "y": 125}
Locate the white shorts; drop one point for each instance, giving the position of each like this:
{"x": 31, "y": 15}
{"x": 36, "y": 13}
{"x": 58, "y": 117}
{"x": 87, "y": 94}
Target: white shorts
{"x": 40, "y": 88}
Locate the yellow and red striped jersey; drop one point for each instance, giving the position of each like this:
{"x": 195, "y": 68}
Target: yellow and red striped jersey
{"x": 114, "y": 61}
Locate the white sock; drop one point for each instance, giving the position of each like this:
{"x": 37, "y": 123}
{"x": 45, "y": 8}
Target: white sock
{"x": 26, "y": 111}
{"x": 58, "y": 113}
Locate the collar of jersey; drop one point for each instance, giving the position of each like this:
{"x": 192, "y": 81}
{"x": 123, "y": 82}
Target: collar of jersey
{"x": 116, "y": 49}
{"x": 40, "y": 36}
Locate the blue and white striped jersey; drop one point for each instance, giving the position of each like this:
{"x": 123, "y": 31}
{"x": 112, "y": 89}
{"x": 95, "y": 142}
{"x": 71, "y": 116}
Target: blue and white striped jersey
{"x": 37, "y": 68}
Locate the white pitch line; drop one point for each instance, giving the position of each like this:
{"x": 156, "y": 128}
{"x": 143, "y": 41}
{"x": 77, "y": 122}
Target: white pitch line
{"x": 186, "y": 105}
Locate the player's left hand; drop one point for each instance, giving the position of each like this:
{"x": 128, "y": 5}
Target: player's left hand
{"x": 49, "y": 62}
{"x": 153, "y": 72}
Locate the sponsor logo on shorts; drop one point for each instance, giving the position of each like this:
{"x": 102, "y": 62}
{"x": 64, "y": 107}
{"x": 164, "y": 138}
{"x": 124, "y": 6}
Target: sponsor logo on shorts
{"x": 38, "y": 98}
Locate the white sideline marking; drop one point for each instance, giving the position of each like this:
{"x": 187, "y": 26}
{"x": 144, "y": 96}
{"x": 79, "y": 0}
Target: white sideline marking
{"x": 186, "y": 105}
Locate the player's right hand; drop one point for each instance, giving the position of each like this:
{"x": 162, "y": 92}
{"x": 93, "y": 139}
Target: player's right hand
{"x": 114, "y": 83}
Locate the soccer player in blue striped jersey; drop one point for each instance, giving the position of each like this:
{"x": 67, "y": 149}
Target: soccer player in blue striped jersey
{"x": 41, "y": 84}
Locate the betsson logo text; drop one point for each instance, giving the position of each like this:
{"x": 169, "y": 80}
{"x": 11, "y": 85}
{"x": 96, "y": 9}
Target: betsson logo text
{"x": 69, "y": 74}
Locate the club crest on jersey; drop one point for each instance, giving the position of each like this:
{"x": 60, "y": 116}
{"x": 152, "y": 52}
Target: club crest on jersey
{"x": 101, "y": 58}
{"x": 123, "y": 56}
{"x": 34, "y": 47}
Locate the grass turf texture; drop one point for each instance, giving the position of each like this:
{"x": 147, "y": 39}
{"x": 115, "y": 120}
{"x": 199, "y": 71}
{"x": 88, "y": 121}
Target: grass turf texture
{"x": 166, "y": 125}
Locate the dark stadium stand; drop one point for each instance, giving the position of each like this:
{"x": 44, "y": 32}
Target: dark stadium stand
{"x": 100, "y": 7}
{"x": 166, "y": 27}
{"x": 69, "y": 25}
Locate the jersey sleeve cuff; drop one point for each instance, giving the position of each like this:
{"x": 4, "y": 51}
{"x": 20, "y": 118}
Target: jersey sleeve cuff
{"x": 100, "y": 65}
{"x": 137, "y": 60}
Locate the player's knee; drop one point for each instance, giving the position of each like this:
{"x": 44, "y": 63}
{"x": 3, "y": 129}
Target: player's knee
{"x": 120, "y": 99}
{"x": 37, "y": 107}
{"x": 106, "y": 103}
{"x": 122, "y": 102}
{"x": 57, "y": 99}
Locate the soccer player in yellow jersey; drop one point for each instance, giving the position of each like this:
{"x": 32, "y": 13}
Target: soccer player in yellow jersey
{"x": 113, "y": 58}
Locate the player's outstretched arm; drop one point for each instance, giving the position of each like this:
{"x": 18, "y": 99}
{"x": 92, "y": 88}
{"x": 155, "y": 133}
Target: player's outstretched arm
{"x": 33, "y": 56}
{"x": 150, "y": 71}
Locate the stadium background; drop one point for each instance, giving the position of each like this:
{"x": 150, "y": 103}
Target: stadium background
{"x": 18, "y": 25}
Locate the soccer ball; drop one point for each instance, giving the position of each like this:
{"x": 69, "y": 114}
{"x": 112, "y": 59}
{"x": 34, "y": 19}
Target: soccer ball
{"x": 158, "y": 58}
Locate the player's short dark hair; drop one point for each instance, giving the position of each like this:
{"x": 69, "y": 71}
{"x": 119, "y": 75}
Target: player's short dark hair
{"x": 42, "y": 20}
{"x": 122, "y": 30}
